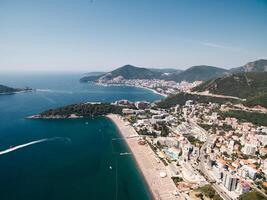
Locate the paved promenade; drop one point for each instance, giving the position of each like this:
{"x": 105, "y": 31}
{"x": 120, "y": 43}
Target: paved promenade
{"x": 149, "y": 165}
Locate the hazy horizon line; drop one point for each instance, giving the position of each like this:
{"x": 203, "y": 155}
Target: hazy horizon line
{"x": 43, "y": 70}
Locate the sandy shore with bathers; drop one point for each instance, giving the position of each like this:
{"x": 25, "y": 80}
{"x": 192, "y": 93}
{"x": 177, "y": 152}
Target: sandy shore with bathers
{"x": 148, "y": 164}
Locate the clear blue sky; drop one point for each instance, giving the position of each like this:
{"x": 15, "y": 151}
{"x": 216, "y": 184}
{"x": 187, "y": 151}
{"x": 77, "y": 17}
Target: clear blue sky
{"x": 99, "y": 35}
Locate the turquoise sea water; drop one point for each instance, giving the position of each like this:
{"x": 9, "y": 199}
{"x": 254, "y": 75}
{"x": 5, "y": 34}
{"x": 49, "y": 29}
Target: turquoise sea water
{"x": 83, "y": 161}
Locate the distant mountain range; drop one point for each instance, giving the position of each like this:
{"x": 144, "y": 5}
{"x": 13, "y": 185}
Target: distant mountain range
{"x": 200, "y": 72}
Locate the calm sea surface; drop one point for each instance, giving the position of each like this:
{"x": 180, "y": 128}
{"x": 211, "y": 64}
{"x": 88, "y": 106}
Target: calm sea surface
{"x": 79, "y": 160}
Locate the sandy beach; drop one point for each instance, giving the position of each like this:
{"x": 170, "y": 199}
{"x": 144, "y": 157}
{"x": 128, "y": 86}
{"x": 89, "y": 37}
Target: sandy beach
{"x": 148, "y": 164}
{"x": 146, "y": 88}
{"x": 152, "y": 90}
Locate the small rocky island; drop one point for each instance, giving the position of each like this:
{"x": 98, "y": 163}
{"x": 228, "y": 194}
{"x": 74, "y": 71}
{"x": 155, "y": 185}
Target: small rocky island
{"x": 9, "y": 90}
{"x": 79, "y": 111}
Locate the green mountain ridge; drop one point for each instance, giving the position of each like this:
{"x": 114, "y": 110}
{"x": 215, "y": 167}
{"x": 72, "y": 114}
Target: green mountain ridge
{"x": 132, "y": 72}
{"x": 255, "y": 66}
{"x": 251, "y": 86}
{"x": 241, "y": 85}
{"x": 182, "y": 97}
{"x": 248, "y": 85}
{"x": 201, "y": 72}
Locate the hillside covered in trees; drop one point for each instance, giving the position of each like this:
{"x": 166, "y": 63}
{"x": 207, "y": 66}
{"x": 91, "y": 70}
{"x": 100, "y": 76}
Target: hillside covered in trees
{"x": 182, "y": 97}
{"x": 251, "y": 86}
{"x": 81, "y": 110}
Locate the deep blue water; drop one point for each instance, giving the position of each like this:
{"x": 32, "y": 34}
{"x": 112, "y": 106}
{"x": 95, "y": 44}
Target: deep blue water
{"x": 83, "y": 163}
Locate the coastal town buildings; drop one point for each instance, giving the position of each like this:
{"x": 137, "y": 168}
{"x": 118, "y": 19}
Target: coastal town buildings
{"x": 159, "y": 86}
{"x": 196, "y": 143}
{"x": 200, "y": 147}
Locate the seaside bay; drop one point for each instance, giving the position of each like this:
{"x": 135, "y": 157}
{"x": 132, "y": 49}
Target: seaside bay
{"x": 83, "y": 162}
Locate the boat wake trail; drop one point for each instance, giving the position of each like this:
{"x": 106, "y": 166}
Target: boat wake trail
{"x": 54, "y": 91}
{"x": 32, "y": 143}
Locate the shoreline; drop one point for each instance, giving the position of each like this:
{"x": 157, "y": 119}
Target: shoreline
{"x": 135, "y": 161}
{"x": 146, "y": 162}
{"x": 134, "y": 158}
{"x": 136, "y": 86}
{"x": 150, "y": 89}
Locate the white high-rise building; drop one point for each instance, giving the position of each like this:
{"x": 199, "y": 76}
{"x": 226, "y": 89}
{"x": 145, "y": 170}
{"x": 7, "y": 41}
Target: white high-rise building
{"x": 230, "y": 181}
